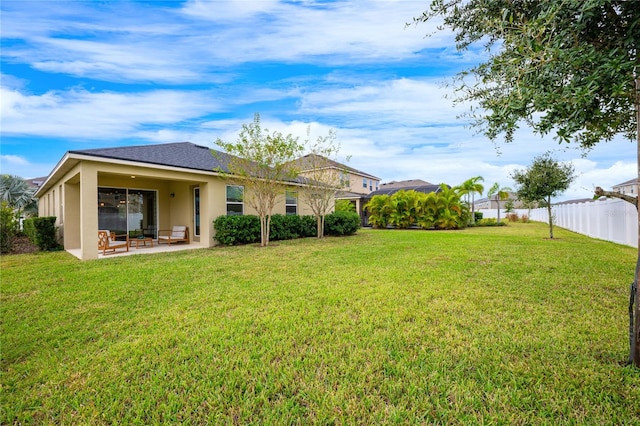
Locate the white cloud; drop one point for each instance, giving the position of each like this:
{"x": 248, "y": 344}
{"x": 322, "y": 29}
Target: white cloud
{"x": 80, "y": 114}
{"x": 14, "y": 160}
{"x": 200, "y": 42}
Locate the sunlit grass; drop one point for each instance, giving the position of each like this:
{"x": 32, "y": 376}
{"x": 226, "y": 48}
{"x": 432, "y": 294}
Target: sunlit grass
{"x": 486, "y": 325}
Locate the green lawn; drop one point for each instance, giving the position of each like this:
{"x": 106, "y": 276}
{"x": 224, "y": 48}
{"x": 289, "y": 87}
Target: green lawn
{"x": 486, "y": 325}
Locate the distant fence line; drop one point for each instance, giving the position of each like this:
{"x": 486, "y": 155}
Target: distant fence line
{"x": 608, "y": 219}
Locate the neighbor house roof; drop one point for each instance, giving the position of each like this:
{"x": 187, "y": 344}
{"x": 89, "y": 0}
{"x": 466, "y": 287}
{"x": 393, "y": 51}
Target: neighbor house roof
{"x": 405, "y": 185}
{"x": 330, "y": 163}
{"x": 629, "y": 182}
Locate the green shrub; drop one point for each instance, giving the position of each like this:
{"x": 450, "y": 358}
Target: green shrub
{"x": 232, "y": 230}
{"x": 513, "y": 217}
{"x": 345, "y": 206}
{"x": 490, "y": 222}
{"x": 284, "y": 227}
{"x": 8, "y": 228}
{"x": 288, "y": 227}
{"x": 341, "y": 223}
{"x": 477, "y": 216}
{"x": 42, "y": 232}
{"x": 308, "y": 226}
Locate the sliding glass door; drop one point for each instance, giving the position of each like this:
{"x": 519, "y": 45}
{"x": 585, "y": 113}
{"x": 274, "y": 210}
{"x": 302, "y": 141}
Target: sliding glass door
{"x": 128, "y": 211}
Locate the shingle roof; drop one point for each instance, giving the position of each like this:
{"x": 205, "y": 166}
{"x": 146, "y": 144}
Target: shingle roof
{"x": 180, "y": 154}
{"x": 305, "y": 160}
{"x": 405, "y": 183}
{"x": 630, "y": 181}
{"x": 392, "y": 189}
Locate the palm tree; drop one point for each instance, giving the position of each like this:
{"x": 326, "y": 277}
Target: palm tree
{"x": 403, "y": 209}
{"x": 471, "y": 187}
{"x": 450, "y": 211}
{"x": 379, "y": 208}
{"x": 497, "y": 193}
{"x": 19, "y": 195}
{"x": 427, "y": 210}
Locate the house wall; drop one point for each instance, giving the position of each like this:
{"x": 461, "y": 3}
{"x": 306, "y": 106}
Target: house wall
{"x": 630, "y": 188}
{"x": 73, "y": 197}
{"x": 356, "y": 184}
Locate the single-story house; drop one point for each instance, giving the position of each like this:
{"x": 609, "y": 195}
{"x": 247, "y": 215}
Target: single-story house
{"x": 143, "y": 189}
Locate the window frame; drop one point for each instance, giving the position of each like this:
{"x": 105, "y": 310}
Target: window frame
{"x": 288, "y": 205}
{"x": 234, "y": 202}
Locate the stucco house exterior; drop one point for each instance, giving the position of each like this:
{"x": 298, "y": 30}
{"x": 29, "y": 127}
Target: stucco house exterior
{"x": 355, "y": 184}
{"x": 492, "y": 203}
{"x": 629, "y": 187}
{"x": 143, "y": 189}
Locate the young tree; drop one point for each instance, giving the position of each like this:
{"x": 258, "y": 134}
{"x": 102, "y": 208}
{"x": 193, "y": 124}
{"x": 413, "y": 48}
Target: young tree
{"x": 544, "y": 179}
{"x": 497, "y": 194}
{"x": 263, "y": 163}
{"x": 322, "y": 177}
{"x": 471, "y": 187}
{"x": 564, "y": 67}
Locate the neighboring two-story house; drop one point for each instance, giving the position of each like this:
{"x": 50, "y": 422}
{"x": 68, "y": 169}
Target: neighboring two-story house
{"x": 629, "y": 187}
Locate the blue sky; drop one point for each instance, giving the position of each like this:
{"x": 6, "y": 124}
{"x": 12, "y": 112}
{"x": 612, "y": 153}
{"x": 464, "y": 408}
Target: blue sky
{"x": 92, "y": 74}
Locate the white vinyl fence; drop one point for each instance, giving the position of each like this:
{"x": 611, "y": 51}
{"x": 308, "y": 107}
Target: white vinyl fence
{"x": 608, "y": 219}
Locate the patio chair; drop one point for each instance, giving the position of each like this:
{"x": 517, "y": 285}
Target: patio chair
{"x": 107, "y": 241}
{"x": 176, "y": 235}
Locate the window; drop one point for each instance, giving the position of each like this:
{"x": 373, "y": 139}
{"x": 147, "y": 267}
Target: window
{"x": 132, "y": 211}
{"x": 364, "y": 182}
{"x": 291, "y": 202}
{"x": 196, "y": 211}
{"x": 370, "y": 185}
{"x": 235, "y": 200}
{"x": 345, "y": 180}
{"x": 377, "y": 185}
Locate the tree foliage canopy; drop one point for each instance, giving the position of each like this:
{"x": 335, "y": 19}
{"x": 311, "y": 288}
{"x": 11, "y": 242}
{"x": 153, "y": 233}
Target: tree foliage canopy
{"x": 263, "y": 162}
{"x": 322, "y": 175}
{"x": 563, "y": 67}
{"x": 546, "y": 178}
{"x": 18, "y": 195}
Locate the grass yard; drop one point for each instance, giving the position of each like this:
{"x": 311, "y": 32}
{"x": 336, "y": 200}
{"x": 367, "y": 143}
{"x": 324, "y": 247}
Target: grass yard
{"x": 485, "y": 325}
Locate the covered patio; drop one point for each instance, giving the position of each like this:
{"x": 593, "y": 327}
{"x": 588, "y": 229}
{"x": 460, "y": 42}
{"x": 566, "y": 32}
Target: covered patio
{"x": 157, "y": 248}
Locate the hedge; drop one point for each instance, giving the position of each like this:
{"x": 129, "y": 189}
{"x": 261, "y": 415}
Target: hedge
{"x": 233, "y": 230}
{"x": 42, "y": 232}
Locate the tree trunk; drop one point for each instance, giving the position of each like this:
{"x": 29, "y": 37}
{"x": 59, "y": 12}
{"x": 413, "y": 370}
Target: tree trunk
{"x": 473, "y": 208}
{"x": 319, "y": 226}
{"x": 635, "y": 343}
{"x": 628, "y": 198}
{"x": 267, "y": 230}
{"x": 264, "y": 230}
{"x": 550, "y": 218}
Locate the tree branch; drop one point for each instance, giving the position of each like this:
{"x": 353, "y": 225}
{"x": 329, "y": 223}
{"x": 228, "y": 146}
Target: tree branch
{"x": 628, "y": 198}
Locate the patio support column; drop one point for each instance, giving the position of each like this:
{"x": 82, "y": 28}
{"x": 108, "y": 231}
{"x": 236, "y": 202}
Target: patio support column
{"x": 89, "y": 211}
{"x": 206, "y": 224}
